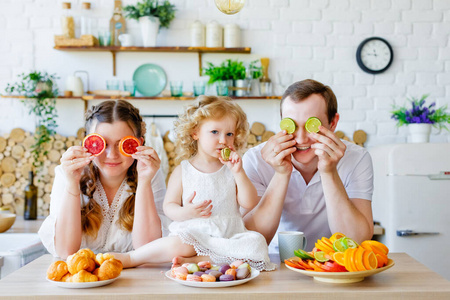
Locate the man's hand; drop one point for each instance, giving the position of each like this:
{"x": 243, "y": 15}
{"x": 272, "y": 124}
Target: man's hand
{"x": 277, "y": 152}
{"x": 328, "y": 148}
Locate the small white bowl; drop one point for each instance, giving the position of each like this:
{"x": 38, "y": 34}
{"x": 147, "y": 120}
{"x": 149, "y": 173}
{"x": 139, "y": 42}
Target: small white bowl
{"x": 6, "y": 221}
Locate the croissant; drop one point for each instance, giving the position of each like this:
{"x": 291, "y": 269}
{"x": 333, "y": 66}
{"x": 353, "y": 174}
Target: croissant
{"x": 78, "y": 262}
{"x": 100, "y": 258}
{"x": 110, "y": 269}
{"x": 84, "y": 276}
{"x": 57, "y": 270}
{"x": 86, "y": 252}
{"x": 67, "y": 277}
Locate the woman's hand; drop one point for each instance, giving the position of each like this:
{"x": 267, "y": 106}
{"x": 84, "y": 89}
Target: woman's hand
{"x": 198, "y": 210}
{"x": 328, "y": 148}
{"x": 148, "y": 162}
{"x": 277, "y": 152}
{"x": 73, "y": 162}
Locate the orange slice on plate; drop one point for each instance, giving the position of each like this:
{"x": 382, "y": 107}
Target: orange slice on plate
{"x": 339, "y": 258}
{"x": 128, "y": 145}
{"x": 370, "y": 260}
{"x": 358, "y": 258}
{"x": 94, "y": 143}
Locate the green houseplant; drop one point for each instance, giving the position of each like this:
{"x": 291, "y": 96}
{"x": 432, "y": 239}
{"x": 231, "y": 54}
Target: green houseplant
{"x": 40, "y": 92}
{"x": 151, "y": 15}
{"x": 232, "y": 72}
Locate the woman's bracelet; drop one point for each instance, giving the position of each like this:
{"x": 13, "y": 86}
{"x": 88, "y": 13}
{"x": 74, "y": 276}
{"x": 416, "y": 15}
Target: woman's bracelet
{"x": 75, "y": 195}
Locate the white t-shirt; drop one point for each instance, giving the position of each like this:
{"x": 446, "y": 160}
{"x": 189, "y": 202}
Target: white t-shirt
{"x": 304, "y": 207}
{"x": 111, "y": 237}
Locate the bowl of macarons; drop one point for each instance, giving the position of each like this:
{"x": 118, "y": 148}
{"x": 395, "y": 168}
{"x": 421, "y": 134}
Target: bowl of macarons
{"x": 205, "y": 274}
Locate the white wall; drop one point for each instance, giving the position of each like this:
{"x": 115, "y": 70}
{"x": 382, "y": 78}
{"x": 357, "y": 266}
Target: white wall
{"x": 311, "y": 38}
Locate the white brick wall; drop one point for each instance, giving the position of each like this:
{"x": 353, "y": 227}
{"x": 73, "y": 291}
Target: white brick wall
{"x": 310, "y": 38}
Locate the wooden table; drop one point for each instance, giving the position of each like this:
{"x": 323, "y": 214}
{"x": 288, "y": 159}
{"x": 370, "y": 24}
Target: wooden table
{"x": 26, "y": 226}
{"x": 407, "y": 279}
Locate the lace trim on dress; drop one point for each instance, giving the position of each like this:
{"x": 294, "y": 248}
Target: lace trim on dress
{"x": 108, "y": 211}
{"x": 260, "y": 265}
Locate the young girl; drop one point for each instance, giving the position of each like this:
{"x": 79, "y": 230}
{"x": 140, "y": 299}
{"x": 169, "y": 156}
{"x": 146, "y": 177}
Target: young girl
{"x": 108, "y": 202}
{"x": 204, "y": 193}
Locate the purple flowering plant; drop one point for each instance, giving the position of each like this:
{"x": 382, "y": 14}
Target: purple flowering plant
{"x": 420, "y": 113}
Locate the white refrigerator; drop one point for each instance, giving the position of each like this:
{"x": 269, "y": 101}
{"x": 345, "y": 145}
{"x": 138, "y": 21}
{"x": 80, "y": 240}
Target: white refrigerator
{"x": 411, "y": 200}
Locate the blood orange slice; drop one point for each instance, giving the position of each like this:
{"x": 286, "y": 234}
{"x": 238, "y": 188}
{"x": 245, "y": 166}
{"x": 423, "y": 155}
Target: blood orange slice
{"x": 128, "y": 145}
{"x": 94, "y": 143}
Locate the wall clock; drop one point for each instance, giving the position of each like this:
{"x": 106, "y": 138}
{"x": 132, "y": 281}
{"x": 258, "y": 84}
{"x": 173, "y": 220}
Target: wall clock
{"x": 374, "y": 55}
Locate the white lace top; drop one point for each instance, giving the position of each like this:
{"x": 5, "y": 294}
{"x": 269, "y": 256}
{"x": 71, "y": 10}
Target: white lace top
{"x": 223, "y": 236}
{"x": 111, "y": 237}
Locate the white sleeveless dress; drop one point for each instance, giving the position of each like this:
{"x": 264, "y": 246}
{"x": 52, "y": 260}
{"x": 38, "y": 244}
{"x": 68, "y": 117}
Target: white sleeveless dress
{"x": 223, "y": 236}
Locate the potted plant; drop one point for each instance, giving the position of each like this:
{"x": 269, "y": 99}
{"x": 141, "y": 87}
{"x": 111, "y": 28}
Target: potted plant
{"x": 230, "y": 74}
{"x": 151, "y": 15}
{"x": 419, "y": 118}
{"x": 40, "y": 92}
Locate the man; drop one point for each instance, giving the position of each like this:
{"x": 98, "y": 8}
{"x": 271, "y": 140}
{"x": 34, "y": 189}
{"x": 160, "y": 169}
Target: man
{"x": 310, "y": 182}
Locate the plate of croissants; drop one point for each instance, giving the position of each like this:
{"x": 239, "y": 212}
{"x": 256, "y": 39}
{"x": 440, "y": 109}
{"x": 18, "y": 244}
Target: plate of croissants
{"x": 84, "y": 270}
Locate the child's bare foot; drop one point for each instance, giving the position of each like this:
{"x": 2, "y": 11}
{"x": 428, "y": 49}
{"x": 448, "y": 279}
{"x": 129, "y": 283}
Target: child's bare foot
{"x": 179, "y": 260}
{"x": 124, "y": 258}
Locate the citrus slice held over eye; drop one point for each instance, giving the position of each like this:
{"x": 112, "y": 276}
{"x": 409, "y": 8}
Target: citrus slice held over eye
{"x": 225, "y": 153}
{"x": 312, "y": 125}
{"x": 94, "y": 143}
{"x": 128, "y": 145}
{"x": 288, "y": 124}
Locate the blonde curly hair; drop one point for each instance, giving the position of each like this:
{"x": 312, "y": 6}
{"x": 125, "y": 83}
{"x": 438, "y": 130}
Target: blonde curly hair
{"x": 208, "y": 107}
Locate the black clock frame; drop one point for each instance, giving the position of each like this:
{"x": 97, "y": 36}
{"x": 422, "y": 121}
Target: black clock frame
{"x": 360, "y": 62}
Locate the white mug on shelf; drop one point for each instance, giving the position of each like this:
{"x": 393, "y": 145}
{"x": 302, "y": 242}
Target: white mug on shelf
{"x": 126, "y": 40}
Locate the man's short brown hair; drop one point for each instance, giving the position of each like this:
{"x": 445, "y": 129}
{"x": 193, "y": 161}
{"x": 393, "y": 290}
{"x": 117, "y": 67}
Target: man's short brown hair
{"x": 301, "y": 90}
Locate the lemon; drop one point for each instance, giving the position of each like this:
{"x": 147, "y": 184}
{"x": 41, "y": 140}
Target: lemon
{"x": 225, "y": 152}
{"x": 312, "y": 124}
{"x": 320, "y": 256}
{"x": 289, "y": 125}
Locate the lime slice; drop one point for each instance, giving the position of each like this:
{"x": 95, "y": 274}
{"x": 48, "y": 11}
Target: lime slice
{"x": 338, "y": 246}
{"x": 348, "y": 243}
{"x": 312, "y": 124}
{"x": 320, "y": 256}
{"x": 303, "y": 254}
{"x": 225, "y": 152}
{"x": 289, "y": 125}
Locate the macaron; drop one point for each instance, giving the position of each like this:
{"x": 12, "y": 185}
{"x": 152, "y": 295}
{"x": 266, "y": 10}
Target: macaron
{"x": 208, "y": 278}
{"x": 192, "y": 268}
{"x": 231, "y": 272}
{"x": 226, "y": 277}
{"x": 242, "y": 273}
{"x": 235, "y": 264}
{"x": 199, "y": 273}
{"x": 215, "y": 273}
{"x": 204, "y": 264}
{"x": 192, "y": 277}
{"x": 181, "y": 273}
{"x": 224, "y": 268}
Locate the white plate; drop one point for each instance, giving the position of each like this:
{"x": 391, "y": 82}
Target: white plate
{"x": 216, "y": 284}
{"x": 81, "y": 285}
{"x": 342, "y": 277}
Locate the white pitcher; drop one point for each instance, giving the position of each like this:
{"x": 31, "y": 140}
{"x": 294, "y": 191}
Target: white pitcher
{"x": 75, "y": 84}
{"x": 149, "y": 29}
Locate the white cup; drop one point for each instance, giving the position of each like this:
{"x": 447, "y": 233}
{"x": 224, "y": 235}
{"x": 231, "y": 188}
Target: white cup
{"x": 288, "y": 241}
{"x": 126, "y": 40}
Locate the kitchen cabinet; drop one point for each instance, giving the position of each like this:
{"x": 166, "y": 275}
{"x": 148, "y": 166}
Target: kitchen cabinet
{"x": 115, "y": 49}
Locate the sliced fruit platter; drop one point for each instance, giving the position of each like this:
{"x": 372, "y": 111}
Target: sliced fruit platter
{"x": 341, "y": 259}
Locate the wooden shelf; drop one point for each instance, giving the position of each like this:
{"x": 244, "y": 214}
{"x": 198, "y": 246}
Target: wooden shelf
{"x": 114, "y": 49}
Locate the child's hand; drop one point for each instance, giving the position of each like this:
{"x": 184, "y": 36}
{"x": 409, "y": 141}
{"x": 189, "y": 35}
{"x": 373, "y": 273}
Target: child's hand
{"x": 73, "y": 162}
{"x": 148, "y": 162}
{"x": 199, "y": 210}
{"x": 234, "y": 162}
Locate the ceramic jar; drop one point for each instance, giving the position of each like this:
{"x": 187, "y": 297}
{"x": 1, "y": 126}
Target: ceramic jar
{"x": 197, "y": 34}
{"x": 214, "y": 35}
{"x": 232, "y": 36}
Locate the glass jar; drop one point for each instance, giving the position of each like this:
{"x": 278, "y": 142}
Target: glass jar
{"x": 214, "y": 35}
{"x": 232, "y": 36}
{"x": 67, "y": 23}
{"x": 197, "y": 34}
{"x": 86, "y": 19}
